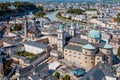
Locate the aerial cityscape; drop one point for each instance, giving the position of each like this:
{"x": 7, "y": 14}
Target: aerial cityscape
{"x": 59, "y": 39}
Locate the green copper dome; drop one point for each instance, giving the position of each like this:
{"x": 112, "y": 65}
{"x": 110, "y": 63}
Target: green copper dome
{"x": 88, "y": 46}
{"x": 108, "y": 46}
{"x": 95, "y": 34}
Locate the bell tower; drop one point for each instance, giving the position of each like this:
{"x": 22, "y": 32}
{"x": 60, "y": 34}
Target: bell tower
{"x": 25, "y": 27}
{"x": 61, "y": 38}
{"x": 72, "y": 30}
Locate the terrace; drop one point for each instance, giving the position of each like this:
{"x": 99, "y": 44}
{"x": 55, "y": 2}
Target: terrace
{"x": 26, "y": 54}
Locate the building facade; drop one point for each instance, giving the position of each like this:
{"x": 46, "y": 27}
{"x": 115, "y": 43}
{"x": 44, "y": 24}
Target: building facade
{"x": 88, "y": 53}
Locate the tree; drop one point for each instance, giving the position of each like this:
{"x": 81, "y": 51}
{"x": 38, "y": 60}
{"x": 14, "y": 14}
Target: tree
{"x": 77, "y": 11}
{"x": 17, "y": 27}
{"x": 57, "y": 75}
{"x": 40, "y": 14}
{"x": 94, "y": 17}
{"x": 70, "y": 18}
{"x": 119, "y": 51}
{"x": 66, "y": 77}
{"x": 118, "y": 17}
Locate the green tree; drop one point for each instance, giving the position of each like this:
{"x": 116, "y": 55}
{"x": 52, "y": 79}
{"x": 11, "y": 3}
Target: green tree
{"x": 66, "y": 77}
{"x": 17, "y": 27}
{"x": 57, "y": 75}
{"x": 119, "y": 51}
{"x": 94, "y": 17}
{"x": 70, "y": 18}
{"x": 77, "y": 11}
{"x": 40, "y": 14}
{"x": 118, "y": 17}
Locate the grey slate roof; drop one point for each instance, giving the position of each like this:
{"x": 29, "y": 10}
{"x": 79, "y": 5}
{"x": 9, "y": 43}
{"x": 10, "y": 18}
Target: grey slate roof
{"x": 98, "y": 75}
{"x": 74, "y": 47}
{"x": 100, "y": 71}
{"x": 102, "y": 44}
{"x": 24, "y": 70}
{"x": 100, "y": 54}
{"x": 79, "y": 41}
{"x": 39, "y": 67}
{"x": 36, "y": 44}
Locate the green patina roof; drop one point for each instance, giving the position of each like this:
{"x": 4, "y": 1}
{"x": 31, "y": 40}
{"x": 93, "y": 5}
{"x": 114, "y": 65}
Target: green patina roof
{"x": 95, "y": 34}
{"x": 61, "y": 27}
{"x": 108, "y": 46}
{"x": 88, "y": 46}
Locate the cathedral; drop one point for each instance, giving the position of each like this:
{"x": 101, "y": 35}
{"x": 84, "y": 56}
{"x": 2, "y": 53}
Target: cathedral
{"x": 88, "y": 52}
{"x": 32, "y": 29}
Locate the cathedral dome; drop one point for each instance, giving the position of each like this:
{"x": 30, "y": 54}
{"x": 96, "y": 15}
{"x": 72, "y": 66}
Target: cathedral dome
{"x": 95, "y": 34}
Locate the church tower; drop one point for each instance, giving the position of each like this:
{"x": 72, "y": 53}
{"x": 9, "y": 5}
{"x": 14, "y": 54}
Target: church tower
{"x": 72, "y": 30}
{"x": 25, "y": 27}
{"x": 61, "y": 38}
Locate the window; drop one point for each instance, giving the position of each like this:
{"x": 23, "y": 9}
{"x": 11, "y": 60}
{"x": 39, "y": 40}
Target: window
{"x": 79, "y": 57}
{"x": 98, "y": 58}
{"x": 85, "y": 52}
{"x": 91, "y": 62}
{"x": 85, "y": 61}
{"x": 91, "y": 58}
{"x": 69, "y": 51}
{"x": 74, "y": 56}
{"x": 69, "y": 55}
{"x": 65, "y": 50}
{"x": 108, "y": 51}
{"x": 85, "y": 57}
{"x": 74, "y": 52}
{"x": 65, "y": 54}
{"x": 96, "y": 40}
{"x": 92, "y": 40}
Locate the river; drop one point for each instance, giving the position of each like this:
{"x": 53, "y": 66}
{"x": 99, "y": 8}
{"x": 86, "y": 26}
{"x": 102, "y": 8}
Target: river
{"x": 52, "y": 16}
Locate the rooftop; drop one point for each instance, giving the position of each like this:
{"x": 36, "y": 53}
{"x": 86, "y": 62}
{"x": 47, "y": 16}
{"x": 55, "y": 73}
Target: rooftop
{"x": 89, "y": 46}
{"x": 26, "y": 54}
{"x": 41, "y": 66}
{"x": 74, "y": 47}
{"x": 79, "y": 41}
{"x": 95, "y": 34}
{"x": 108, "y": 46}
{"x": 36, "y": 44}
{"x": 103, "y": 69}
